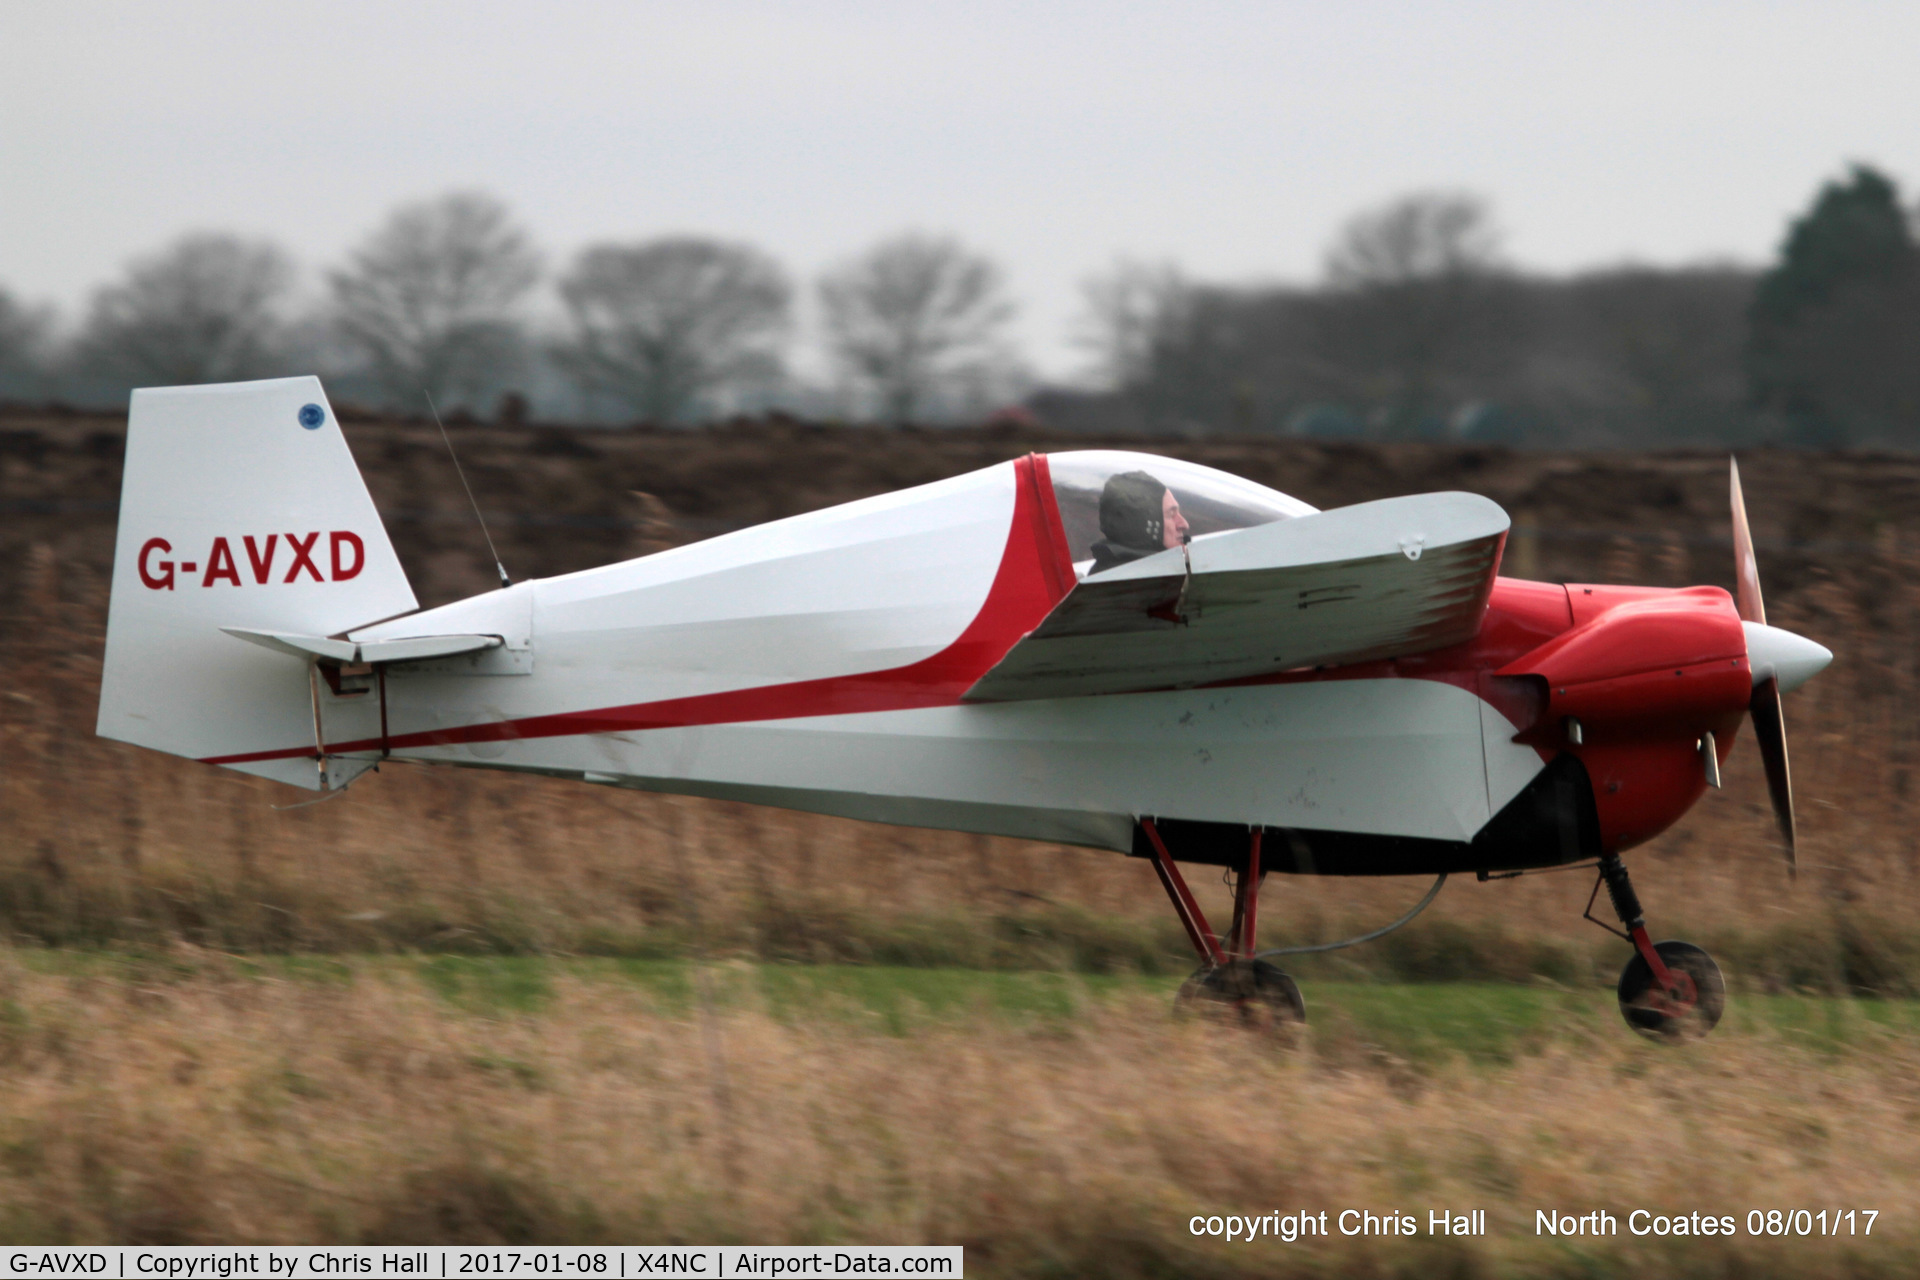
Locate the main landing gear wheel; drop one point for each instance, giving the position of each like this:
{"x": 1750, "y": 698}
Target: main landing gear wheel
{"x": 1253, "y": 993}
{"x": 1689, "y": 1010}
{"x": 1230, "y": 985}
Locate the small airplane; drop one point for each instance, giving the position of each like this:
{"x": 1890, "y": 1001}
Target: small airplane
{"x": 1097, "y": 648}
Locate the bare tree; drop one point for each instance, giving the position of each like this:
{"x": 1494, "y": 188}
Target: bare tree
{"x": 1175, "y": 352}
{"x": 1129, "y": 312}
{"x": 1422, "y": 236}
{"x": 661, "y": 326}
{"x": 204, "y": 309}
{"x": 1421, "y": 316}
{"x": 429, "y": 297}
{"x": 915, "y": 319}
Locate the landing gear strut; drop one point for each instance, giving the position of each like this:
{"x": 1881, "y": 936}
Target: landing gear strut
{"x": 1230, "y": 981}
{"x": 1669, "y": 990}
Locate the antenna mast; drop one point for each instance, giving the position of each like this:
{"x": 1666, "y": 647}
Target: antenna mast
{"x": 505, "y": 581}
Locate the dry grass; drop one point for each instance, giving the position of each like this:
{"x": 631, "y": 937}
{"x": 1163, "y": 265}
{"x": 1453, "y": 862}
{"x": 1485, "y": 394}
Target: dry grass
{"x": 202, "y": 1101}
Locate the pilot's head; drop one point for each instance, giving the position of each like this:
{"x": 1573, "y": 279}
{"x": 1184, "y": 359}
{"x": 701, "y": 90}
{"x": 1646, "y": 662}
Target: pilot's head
{"x": 1141, "y": 514}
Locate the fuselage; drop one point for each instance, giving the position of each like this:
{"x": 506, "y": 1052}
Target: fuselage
{"x": 822, "y": 663}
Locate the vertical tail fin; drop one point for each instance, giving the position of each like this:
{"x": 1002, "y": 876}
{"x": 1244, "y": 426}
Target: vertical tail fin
{"x": 240, "y": 506}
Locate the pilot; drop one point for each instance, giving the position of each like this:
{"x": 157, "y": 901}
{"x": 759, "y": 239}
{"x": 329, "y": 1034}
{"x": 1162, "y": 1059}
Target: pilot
{"x": 1138, "y": 516}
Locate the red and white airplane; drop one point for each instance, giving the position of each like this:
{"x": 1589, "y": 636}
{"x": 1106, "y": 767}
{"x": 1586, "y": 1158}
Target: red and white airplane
{"x": 1106, "y": 649}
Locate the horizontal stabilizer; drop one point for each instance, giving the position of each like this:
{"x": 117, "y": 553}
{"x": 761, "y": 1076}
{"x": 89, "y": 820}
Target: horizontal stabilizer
{"x": 298, "y": 646}
{"x": 1355, "y": 584}
{"x": 402, "y": 649}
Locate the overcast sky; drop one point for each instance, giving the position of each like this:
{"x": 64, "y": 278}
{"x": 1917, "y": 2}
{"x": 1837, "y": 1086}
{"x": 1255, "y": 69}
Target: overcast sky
{"x": 1231, "y": 138}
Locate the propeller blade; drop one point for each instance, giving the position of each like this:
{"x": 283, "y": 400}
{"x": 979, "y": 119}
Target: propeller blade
{"x": 1770, "y": 734}
{"x": 1746, "y": 570}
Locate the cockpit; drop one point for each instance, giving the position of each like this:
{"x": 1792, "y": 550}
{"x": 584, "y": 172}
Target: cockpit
{"x": 1117, "y": 506}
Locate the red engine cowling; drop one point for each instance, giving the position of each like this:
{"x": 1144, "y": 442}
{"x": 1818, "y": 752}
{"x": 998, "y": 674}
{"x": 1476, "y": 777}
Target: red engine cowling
{"x": 1630, "y": 689}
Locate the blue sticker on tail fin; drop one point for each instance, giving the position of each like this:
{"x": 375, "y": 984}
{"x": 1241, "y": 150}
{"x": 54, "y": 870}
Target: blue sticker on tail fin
{"x": 311, "y": 416}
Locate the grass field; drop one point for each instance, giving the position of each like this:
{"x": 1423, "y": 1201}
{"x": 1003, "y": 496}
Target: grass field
{"x": 1429, "y": 1024}
{"x": 1055, "y": 1123}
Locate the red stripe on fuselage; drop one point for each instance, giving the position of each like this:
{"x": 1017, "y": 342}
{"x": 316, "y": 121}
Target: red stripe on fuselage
{"x": 1056, "y": 557}
{"x": 1025, "y": 588}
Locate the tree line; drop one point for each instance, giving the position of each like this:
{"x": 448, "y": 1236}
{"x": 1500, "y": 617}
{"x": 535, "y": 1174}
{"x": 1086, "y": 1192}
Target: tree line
{"x": 1419, "y": 328}
{"x": 433, "y": 307}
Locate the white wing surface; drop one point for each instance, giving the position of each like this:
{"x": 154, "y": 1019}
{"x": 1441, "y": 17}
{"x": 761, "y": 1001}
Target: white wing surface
{"x": 1355, "y": 584}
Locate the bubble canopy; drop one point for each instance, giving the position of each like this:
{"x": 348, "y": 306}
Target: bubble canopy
{"x": 1210, "y": 501}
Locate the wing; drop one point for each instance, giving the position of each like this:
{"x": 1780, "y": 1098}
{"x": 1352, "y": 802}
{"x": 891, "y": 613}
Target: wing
{"x": 1376, "y": 580}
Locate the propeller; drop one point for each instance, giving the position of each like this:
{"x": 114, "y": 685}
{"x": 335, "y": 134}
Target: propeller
{"x": 1781, "y": 661}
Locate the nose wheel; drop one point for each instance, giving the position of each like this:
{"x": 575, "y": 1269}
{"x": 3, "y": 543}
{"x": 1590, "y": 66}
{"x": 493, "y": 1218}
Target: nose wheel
{"x": 1669, "y": 991}
{"x": 1689, "y": 1007}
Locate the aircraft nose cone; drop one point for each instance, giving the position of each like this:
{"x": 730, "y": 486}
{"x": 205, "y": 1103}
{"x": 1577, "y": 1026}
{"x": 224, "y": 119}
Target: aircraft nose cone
{"x": 1791, "y": 659}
